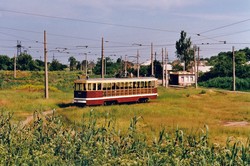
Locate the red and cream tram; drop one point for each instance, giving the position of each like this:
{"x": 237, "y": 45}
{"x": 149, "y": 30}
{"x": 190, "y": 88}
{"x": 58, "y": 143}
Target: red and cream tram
{"x": 107, "y": 91}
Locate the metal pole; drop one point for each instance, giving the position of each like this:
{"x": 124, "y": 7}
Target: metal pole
{"x": 195, "y": 73}
{"x": 152, "y": 60}
{"x": 14, "y": 66}
{"x": 102, "y": 52}
{"x": 198, "y": 62}
{"x": 86, "y": 65}
{"x": 46, "y": 68}
{"x": 163, "y": 79}
{"x": 166, "y": 67}
{"x": 105, "y": 66}
{"x": 234, "y": 79}
{"x": 125, "y": 67}
{"x": 138, "y": 67}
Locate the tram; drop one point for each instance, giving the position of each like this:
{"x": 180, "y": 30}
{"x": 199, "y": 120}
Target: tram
{"x": 109, "y": 91}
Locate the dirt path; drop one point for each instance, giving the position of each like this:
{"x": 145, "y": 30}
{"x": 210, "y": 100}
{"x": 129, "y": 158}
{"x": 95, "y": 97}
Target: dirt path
{"x": 236, "y": 124}
{"x": 31, "y": 117}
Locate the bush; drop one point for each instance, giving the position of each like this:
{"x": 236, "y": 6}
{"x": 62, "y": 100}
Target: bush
{"x": 226, "y": 83}
{"x": 47, "y": 141}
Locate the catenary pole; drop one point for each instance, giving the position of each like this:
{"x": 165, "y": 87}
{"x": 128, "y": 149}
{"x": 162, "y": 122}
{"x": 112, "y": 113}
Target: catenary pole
{"x": 138, "y": 67}
{"x": 162, "y": 64}
{"x": 152, "y": 60}
{"x": 195, "y": 73}
{"x": 14, "y": 65}
{"x": 102, "y": 52}
{"x": 46, "y": 91}
{"x": 234, "y": 79}
{"x": 166, "y": 68}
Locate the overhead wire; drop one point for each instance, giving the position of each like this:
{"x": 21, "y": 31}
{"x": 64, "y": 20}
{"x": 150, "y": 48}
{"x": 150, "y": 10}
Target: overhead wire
{"x": 224, "y": 26}
{"x": 88, "y": 21}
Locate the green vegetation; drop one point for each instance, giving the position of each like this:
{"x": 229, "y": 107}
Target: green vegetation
{"x": 226, "y": 83}
{"x": 219, "y": 76}
{"x": 177, "y": 118}
{"x": 48, "y": 141}
{"x": 25, "y": 62}
{"x": 184, "y": 51}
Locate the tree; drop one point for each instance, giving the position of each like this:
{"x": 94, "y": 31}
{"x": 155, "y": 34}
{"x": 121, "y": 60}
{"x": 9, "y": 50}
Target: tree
{"x": 177, "y": 65}
{"x": 56, "y": 65}
{"x": 5, "y": 62}
{"x": 183, "y": 50}
{"x": 78, "y": 65}
{"x": 24, "y": 61}
{"x": 72, "y": 63}
{"x": 222, "y": 65}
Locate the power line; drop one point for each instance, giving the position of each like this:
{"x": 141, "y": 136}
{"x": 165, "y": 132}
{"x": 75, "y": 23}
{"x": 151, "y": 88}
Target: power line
{"x": 88, "y": 21}
{"x": 221, "y": 27}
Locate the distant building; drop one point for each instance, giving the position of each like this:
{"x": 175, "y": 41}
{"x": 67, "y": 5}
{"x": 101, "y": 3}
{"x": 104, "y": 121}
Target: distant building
{"x": 204, "y": 69}
{"x": 182, "y": 78}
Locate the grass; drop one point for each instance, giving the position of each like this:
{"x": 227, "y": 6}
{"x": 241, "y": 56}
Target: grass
{"x": 188, "y": 109}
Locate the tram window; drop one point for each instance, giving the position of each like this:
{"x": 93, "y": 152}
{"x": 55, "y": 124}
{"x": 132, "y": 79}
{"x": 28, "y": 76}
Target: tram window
{"x": 99, "y": 86}
{"x": 118, "y": 86}
{"x": 89, "y": 86}
{"x": 76, "y": 87}
{"x": 150, "y": 83}
{"x": 142, "y": 85}
{"x": 121, "y": 85}
{"x": 113, "y": 85}
{"x": 108, "y": 86}
{"x": 134, "y": 84}
{"x": 153, "y": 83}
{"x": 126, "y": 85}
{"x": 105, "y": 86}
{"x": 130, "y": 85}
{"x": 94, "y": 86}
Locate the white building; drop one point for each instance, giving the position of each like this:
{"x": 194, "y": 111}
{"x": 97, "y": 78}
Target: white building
{"x": 182, "y": 78}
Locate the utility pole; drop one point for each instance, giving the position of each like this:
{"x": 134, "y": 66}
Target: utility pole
{"x": 46, "y": 91}
{"x": 19, "y": 47}
{"x": 125, "y": 66}
{"x": 102, "y": 52}
{"x": 163, "y": 79}
{"x": 195, "y": 73}
{"x": 14, "y": 66}
{"x": 152, "y": 60}
{"x": 234, "y": 79}
{"x": 138, "y": 67}
{"x": 166, "y": 68}
{"x": 198, "y": 62}
{"x": 86, "y": 64}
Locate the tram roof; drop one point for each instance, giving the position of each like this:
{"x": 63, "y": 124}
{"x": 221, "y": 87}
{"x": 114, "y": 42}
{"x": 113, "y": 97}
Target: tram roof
{"x": 100, "y": 80}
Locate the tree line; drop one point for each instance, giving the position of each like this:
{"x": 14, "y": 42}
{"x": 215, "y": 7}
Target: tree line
{"x": 221, "y": 70}
{"x": 25, "y": 62}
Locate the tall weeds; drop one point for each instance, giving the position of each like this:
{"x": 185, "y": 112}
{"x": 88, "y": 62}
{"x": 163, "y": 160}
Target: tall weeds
{"x": 47, "y": 141}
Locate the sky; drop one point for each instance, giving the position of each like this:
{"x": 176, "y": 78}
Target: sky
{"x": 76, "y": 27}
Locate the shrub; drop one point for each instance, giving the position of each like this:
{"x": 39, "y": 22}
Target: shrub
{"x": 226, "y": 83}
{"x": 47, "y": 141}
